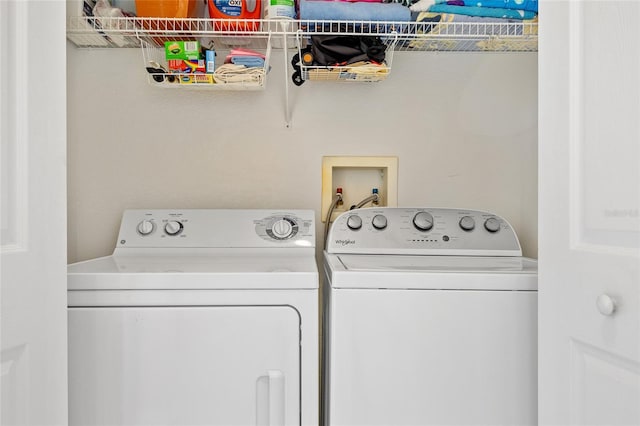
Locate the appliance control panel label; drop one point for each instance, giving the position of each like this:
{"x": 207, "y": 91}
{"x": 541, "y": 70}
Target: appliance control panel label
{"x": 216, "y": 228}
{"x": 422, "y": 231}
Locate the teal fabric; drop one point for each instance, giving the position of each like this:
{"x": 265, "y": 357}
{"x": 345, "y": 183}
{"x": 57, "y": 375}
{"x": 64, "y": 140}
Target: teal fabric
{"x": 530, "y": 5}
{"x": 491, "y": 12}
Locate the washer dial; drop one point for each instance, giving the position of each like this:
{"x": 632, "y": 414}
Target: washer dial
{"x": 354, "y": 222}
{"x": 423, "y": 221}
{"x": 467, "y": 223}
{"x": 492, "y": 224}
{"x": 379, "y": 221}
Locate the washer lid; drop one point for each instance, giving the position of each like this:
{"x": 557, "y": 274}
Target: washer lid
{"x": 223, "y": 271}
{"x": 431, "y": 272}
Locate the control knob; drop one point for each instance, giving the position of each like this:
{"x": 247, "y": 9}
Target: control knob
{"x": 173, "y": 227}
{"x": 423, "y": 221}
{"x": 354, "y": 222}
{"x": 492, "y": 224}
{"x": 282, "y": 229}
{"x": 467, "y": 223}
{"x": 379, "y": 221}
{"x": 145, "y": 227}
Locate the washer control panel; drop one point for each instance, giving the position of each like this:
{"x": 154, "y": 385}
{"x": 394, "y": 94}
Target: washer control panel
{"x": 216, "y": 228}
{"x": 423, "y": 231}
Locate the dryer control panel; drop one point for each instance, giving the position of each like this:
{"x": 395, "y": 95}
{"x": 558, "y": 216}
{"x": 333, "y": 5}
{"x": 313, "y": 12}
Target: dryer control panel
{"x": 423, "y": 231}
{"x": 216, "y": 228}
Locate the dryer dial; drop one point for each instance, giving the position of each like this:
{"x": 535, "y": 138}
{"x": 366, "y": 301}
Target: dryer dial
{"x": 282, "y": 229}
{"x": 145, "y": 227}
{"x": 173, "y": 227}
{"x": 423, "y": 221}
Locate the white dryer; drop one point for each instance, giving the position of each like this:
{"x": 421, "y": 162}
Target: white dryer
{"x": 430, "y": 319}
{"x": 200, "y": 317}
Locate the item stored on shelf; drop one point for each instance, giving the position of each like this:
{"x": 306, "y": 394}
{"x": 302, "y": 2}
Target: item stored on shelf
{"x": 210, "y": 59}
{"x": 276, "y": 9}
{"x": 235, "y": 10}
{"x": 239, "y": 74}
{"x": 183, "y": 50}
{"x": 188, "y": 66}
{"x": 346, "y": 49}
{"x": 360, "y": 71}
{"x": 352, "y": 11}
{"x": 198, "y": 78}
{"x": 166, "y": 8}
{"x": 158, "y": 72}
{"x": 343, "y": 58}
{"x": 247, "y": 57}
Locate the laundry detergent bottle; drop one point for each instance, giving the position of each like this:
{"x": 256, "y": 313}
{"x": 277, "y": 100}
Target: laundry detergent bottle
{"x": 235, "y": 9}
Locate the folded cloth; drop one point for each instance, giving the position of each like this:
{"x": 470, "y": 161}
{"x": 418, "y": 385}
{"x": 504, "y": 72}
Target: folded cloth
{"x": 490, "y": 12}
{"x": 248, "y": 61}
{"x": 485, "y": 27}
{"x": 530, "y": 5}
{"x": 239, "y": 51}
{"x": 353, "y": 11}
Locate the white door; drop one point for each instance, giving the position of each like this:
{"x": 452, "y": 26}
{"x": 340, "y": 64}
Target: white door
{"x": 589, "y": 174}
{"x": 33, "y": 209}
{"x": 193, "y": 365}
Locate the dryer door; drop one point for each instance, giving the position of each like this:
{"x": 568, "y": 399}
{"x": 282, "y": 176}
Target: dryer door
{"x": 212, "y": 365}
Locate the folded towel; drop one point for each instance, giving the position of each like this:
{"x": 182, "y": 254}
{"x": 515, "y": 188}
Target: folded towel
{"x": 248, "y": 61}
{"x": 530, "y": 5}
{"x": 353, "y": 11}
{"x": 485, "y": 26}
{"x": 491, "y": 12}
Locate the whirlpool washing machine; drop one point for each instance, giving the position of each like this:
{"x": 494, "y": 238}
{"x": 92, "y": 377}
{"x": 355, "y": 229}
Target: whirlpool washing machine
{"x": 430, "y": 319}
{"x": 200, "y": 317}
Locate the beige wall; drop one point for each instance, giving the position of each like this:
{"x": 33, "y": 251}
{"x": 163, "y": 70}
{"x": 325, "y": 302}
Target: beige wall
{"x": 463, "y": 126}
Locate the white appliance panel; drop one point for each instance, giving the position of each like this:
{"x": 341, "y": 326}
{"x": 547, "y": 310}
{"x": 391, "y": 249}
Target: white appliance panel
{"x": 206, "y": 365}
{"x": 418, "y": 357}
{"x": 226, "y": 269}
{"x": 430, "y": 272}
{"x": 430, "y": 319}
{"x": 422, "y": 231}
{"x": 196, "y": 228}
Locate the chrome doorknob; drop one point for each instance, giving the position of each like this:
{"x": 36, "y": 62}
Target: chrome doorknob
{"x": 606, "y": 304}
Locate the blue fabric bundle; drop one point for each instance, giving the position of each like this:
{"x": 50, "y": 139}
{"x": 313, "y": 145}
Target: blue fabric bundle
{"x": 509, "y": 9}
{"x": 530, "y": 5}
{"x": 490, "y": 12}
{"x": 248, "y": 61}
{"x": 353, "y": 11}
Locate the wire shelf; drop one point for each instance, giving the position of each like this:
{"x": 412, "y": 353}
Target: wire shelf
{"x": 225, "y": 77}
{"x": 411, "y": 36}
{"x": 368, "y": 72}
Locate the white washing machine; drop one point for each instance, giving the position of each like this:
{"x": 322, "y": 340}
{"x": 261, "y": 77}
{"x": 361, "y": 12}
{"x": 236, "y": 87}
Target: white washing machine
{"x": 200, "y": 317}
{"x": 430, "y": 319}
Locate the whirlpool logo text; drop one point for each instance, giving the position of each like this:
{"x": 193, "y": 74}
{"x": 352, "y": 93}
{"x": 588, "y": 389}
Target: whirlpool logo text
{"x": 345, "y": 242}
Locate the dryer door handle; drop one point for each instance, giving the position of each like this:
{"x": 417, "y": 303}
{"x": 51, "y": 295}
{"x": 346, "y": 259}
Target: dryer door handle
{"x": 270, "y": 399}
